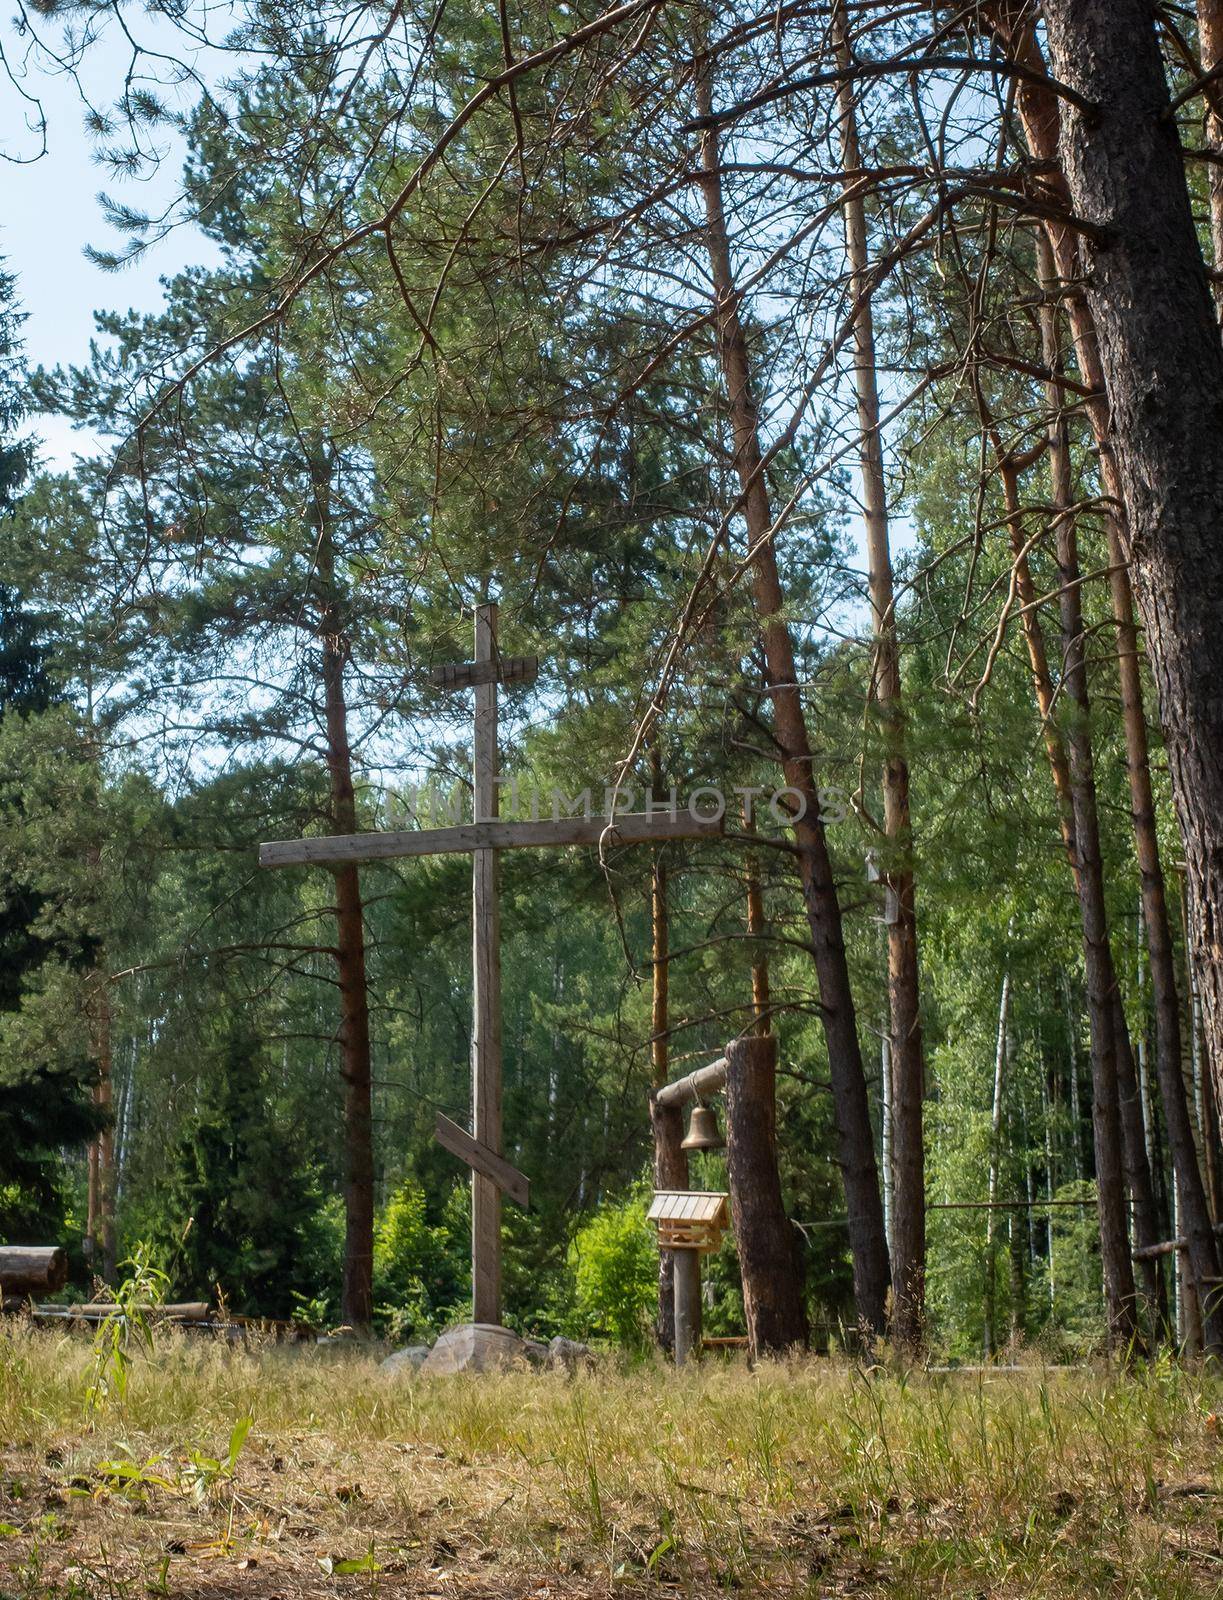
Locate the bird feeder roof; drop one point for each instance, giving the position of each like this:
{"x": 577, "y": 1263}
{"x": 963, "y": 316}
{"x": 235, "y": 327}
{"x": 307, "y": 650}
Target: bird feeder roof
{"x": 690, "y": 1205}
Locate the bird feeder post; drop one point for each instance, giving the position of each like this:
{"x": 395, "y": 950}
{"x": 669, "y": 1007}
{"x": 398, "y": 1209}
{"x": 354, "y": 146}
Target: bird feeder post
{"x": 690, "y": 1224}
{"x": 670, "y": 1172}
{"x": 687, "y": 1281}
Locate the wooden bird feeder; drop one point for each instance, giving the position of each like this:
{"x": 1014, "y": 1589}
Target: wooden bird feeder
{"x": 690, "y": 1219}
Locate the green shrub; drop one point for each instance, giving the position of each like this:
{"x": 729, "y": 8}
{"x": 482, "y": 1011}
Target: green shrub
{"x": 615, "y": 1269}
{"x": 414, "y": 1264}
{"x": 240, "y": 1210}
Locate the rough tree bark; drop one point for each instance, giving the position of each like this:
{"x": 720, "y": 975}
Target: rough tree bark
{"x": 1211, "y": 1162}
{"x": 768, "y": 1259}
{"x": 670, "y": 1162}
{"x": 1162, "y": 362}
{"x": 1210, "y": 46}
{"x": 755, "y": 922}
{"x": 907, "y": 1059}
{"x": 851, "y": 1103}
{"x": 357, "y": 1292}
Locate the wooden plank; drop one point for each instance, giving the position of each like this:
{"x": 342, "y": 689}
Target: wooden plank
{"x": 634, "y": 827}
{"x": 495, "y": 1168}
{"x": 472, "y": 674}
{"x": 486, "y": 989}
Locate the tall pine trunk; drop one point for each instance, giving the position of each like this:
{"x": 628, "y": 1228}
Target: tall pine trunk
{"x": 102, "y": 1241}
{"x": 1210, "y": 46}
{"x": 768, "y": 1254}
{"x": 906, "y": 1056}
{"x": 1161, "y": 955}
{"x": 1074, "y": 790}
{"x": 851, "y": 1104}
{"x": 1101, "y": 971}
{"x": 1040, "y": 114}
{"x": 990, "y": 1300}
{"x": 755, "y": 924}
{"x": 357, "y": 1293}
{"x": 670, "y": 1162}
{"x": 1162, "y": 362}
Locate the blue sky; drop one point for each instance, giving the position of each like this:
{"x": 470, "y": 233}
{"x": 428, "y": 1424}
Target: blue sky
{"x": 49, "y": 212}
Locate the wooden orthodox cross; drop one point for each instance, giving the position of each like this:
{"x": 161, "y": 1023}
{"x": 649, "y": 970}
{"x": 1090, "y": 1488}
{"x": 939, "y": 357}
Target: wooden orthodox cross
{"x": 484, "y": 837}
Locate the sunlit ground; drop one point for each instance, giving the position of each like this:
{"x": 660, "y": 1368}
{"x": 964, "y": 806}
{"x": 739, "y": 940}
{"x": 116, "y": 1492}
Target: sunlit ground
{"x": 812, "y": 1479}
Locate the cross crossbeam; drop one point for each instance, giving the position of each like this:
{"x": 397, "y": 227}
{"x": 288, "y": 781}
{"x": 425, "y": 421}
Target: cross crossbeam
{"x": 628, "y": 827}
{"x": 470, "y": 674}
{"x": 483, "y": 1160}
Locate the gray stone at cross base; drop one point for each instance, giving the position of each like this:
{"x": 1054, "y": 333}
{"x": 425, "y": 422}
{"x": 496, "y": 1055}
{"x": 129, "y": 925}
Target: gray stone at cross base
{"x": 410, "y": 1359}
{"x": 480, "y": 1347}
{"x": 487, "y": 1347}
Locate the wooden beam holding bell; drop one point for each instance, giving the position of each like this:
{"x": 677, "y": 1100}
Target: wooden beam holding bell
{"x": 703, "y": 1132}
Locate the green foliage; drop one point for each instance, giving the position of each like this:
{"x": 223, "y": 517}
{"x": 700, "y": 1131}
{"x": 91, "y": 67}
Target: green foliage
{"x": 16, "y": 454}
{"x": 614, "y": 1260}
{"x": 240, "y": 1211}
{"x": 201, "y": 1473}
{"x": 127, "y": 1329}
{"x": 49, "y": 821}
{"x": 190, "y": 1472}
{"x": 46, "y": 936}
{"x": 1076, "y": 1269}
{"x": 26, "y": 685}
{"x": 173, "y": 616}
{"x": 418, "y": 1266}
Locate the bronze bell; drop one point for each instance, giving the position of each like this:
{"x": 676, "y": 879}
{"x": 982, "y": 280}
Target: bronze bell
{"x": 703, "y": 1131}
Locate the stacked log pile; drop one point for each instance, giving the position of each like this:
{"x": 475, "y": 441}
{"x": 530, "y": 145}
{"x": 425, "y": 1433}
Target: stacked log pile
{"x": 31, "y": 1269}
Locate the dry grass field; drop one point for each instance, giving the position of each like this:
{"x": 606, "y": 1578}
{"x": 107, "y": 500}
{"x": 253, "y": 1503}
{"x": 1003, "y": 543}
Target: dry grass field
{"x": 816, "y": 1479}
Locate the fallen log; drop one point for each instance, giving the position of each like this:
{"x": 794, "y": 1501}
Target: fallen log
{"x": 186, "y": 1311}
{"x": 80, "y": 1317}
{"x": 32, "y": 1269}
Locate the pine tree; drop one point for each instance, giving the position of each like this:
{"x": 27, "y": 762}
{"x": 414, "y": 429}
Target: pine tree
{"x": 45, "y": 1103}
{"x": 240, "y": 1213}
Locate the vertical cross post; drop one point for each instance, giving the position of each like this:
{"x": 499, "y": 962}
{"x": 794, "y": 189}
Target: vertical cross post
{"x": 486, "y": 997}
{"x": 485, "y": 836}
